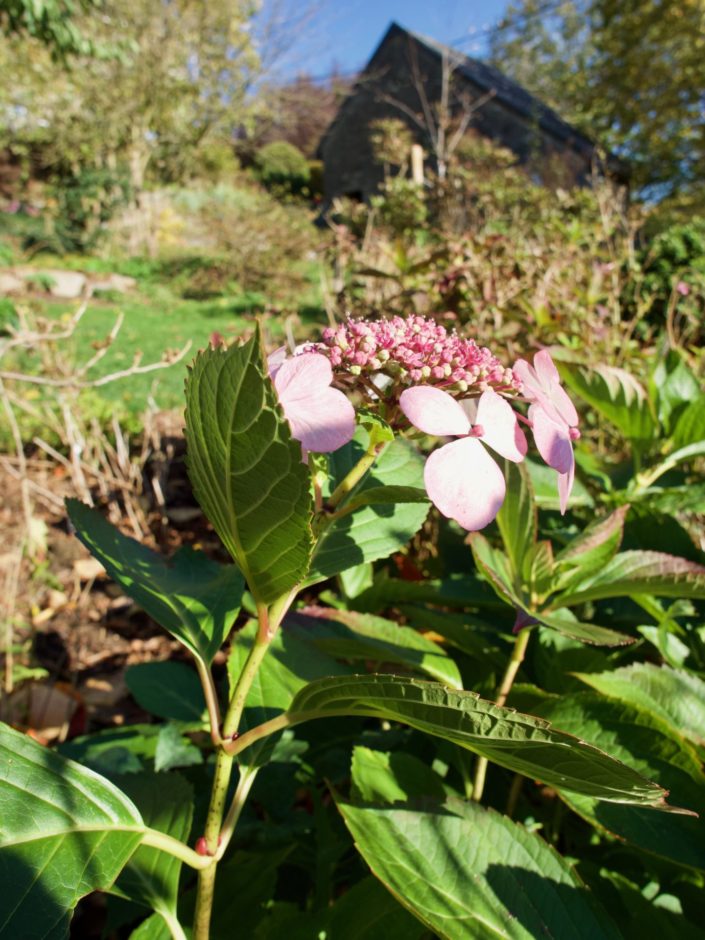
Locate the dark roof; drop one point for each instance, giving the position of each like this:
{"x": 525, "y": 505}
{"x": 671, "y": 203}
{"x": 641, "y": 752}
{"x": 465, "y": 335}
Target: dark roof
{"x": 490, "y": 79}
{"x": 487, "y": 78}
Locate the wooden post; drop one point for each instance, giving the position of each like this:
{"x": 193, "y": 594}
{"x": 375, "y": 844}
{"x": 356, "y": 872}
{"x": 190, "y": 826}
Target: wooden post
{"x": 417, "y": 163}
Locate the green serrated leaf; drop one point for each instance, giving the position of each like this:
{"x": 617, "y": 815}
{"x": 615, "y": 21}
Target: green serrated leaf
{"x": 638, "y": 572}
{"x": 647, "y": 744}
{"x": 354, "y": 636}
{"x": 597, "y": 544}
{"x": 518, "y": 742}
{"x": 168, "y": 690}
{"x": 618, "y": 397}
{"x": 539, "y": 568}
{"x": 564, "y": 621}
{"x": 494, "y": 564}
{"x": 194, "y": 598}
{"x": 64, "y": 832}
{"x": 676, "y": 696}
{"x": 246, "y": 468}
{"x": 467, "y": 872}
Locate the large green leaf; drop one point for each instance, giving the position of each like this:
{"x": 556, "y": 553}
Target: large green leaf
{"x": 676, "y": 696}
{"x": 519, "y": 742}
{"x": 151, "y": 877}
{"x": 564, "y": 621}
{"x": 194, "y": 598}
{"x": 590, "y": 551}
{"x": 246, "y": 468}
{"x": 638, "y": 572}
{"x": 517, "y": 518}
{"x": 470, "y": 874}
{"x": 350, "y": 635}
{"x": 672, "y": 386}
{"x": 64, "y": 831}
{"x": 168, "y": 690}
{"x": 617, "y": 396}
{"x": 690, "y": 427}
{"x": 376, "y": 530}
{"x": 379, "y": 776}
{"x": 647, "y": 744}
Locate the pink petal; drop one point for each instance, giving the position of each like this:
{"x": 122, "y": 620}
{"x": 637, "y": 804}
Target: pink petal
{"x": 434, "y": 411}
{"x": 297, "y": 375}
{"x": 564, "y": 406}
{"x": 465, "y": 483}
{"x": 531, "y": 385}
{"x": 552, "y": 439}
{"x": 275, "y": 361}
{"x": 500, "y": 426}
{"x": 546, "y": 369}
{"x": 565, "y": 485}
{"x": 542, "y": 386}
{"x": 321, "y": 418}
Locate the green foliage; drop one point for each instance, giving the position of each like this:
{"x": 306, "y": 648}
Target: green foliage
{"x": 282, "y": 167}
{"x": 52, "y": 22}
{"x": 466, "y": 871}
{"x": 86, "y": 201}
{"x": 401, "y": 206}
{"x": 509, "y": 738}
{"x": 422, "y": 711}
{"x": 78, "y": 835}
{"x": 587, "y": 58}
{"x": 246, "y": 469}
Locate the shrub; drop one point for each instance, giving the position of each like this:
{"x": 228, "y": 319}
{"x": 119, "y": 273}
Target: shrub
{"x": 281, "y": 167}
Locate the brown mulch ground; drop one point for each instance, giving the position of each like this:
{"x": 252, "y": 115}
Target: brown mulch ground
{"x": 68, "y": 618}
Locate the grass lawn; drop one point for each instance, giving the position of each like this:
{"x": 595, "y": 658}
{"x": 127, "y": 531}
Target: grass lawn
{"x": 157, "y": 319}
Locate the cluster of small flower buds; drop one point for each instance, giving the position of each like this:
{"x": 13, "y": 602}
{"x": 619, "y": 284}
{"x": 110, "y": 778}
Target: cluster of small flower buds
{"x": 415, "y": 350}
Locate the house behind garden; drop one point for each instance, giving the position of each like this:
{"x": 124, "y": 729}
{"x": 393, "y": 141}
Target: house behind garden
{"x": 411, "y": 78}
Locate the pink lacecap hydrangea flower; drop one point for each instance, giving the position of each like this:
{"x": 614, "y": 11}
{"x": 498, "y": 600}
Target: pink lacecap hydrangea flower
{"x": 412, "y": 350}
{"x": 462, "y": 480}
{"x": 321, "y": 418}
{"x": 553, "y": 418}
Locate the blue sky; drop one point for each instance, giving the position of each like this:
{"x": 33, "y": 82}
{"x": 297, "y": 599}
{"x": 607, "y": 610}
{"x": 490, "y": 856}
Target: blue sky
{"x": 345, "y": 32}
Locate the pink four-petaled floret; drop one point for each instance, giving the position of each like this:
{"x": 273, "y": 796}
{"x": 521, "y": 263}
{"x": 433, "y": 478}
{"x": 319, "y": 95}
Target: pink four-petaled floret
{"x": 320, "y": 417}
{"x": 461, "y": 478}
{"x": 553, "y": 418}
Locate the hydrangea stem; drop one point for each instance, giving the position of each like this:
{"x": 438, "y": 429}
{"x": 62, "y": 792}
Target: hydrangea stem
{"x": 268, "y": 619}
{"x": 505, "y": 687}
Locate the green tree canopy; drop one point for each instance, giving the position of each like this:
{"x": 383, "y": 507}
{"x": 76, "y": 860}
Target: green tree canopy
{"x": 631, "y": 73}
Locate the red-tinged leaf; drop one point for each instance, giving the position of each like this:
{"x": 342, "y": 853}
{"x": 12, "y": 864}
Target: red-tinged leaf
{"x": 637, "y": 572}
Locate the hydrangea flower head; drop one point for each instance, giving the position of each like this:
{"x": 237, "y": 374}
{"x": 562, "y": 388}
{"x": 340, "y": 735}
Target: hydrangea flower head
{"x": 320, "y": 417}
{"x": 411, "y": 350}
{"x": 462, "y": 480}
{"x": 553, "y": 418}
